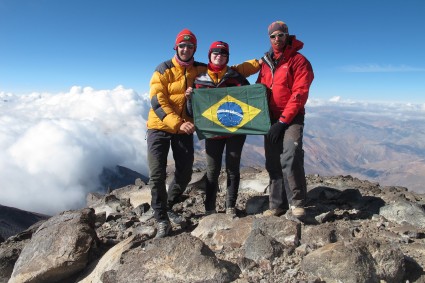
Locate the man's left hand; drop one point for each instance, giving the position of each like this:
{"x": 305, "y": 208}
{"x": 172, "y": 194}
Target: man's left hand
{"x": 276, "y": 131}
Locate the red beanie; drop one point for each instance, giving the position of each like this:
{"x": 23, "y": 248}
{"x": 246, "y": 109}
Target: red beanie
{"x": 219, "y": 46}
{"x": 185, "y": 35}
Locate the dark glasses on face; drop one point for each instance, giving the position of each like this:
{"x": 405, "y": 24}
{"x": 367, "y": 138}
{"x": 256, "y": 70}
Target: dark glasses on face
{"x": 187, "y": 45}
{"x": 222, "y": 53}
{"x": 278, "y": 35}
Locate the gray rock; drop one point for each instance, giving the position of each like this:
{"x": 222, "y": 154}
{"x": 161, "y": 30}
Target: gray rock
{"x": 109, "y": 262}
{"x": 234, "y": 237}
{"x": 139, "y": 182}
{"x": 109, "y": 204}
{"x": 282, "y": 230}
{"x": 141, "y": 230}
{"x": 404, "y": 211}
{"x": 341, "y": 211}
{"x": 58, "y": 249}
{"x": 211, "y": 224}
{"x": 257, "y": 204}
{"x": 181, "y": 258}
{"x": 260, "y": 246}
{"x": 198, "y": 182}
{"x": 9, "y": 254}
{"x": 93, "y": 198}
{"x": 356, "y": 261}
{"x": 140, "y": 209}
{"x": 320, "y": 235}
{"x": 257, "y": 183}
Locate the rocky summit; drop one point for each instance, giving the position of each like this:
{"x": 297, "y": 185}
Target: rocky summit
{"x": 354, "y": 231}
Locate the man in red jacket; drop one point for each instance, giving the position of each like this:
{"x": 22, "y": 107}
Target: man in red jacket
{"x": 288, "y": 75}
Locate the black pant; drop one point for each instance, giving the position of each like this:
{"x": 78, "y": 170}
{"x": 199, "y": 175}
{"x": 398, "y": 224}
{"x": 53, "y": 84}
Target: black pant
{"x": 214, "y": 149}
{"x": 285, "y": 165}
{"x": 158, "y": 147}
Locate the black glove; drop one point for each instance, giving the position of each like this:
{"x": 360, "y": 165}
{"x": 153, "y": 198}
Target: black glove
{"x": 276, "y": 131}
{"x": 189, "y": 108}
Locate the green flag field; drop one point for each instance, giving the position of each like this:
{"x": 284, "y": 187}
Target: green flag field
{"x": 230, "y": 111}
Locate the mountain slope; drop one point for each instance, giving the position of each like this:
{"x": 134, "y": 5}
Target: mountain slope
{"x": 13, "y": 220}
{"x": 350, "y": 141}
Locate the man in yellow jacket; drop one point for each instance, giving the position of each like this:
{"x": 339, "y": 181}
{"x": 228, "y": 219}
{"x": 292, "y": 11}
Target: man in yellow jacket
{"x": 169, "y": 125}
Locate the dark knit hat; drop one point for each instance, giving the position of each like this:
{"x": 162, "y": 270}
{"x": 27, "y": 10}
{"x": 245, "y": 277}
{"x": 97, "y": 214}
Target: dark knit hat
{"x": 278, "y": 25}
{"x": 219, "y": 46}
{"x": 185, "y": 35}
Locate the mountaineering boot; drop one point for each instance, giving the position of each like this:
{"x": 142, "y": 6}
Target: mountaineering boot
{"x": 175, "y": 218}
{"x": 163, "y": 229}
{"x": 298, "y": 212}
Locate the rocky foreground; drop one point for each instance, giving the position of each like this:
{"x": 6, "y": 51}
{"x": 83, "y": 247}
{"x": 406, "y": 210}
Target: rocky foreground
{"x": 355, "y": 231}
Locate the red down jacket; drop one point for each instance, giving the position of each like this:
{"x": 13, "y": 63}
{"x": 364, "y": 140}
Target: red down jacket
{"x": 288, "y": 81}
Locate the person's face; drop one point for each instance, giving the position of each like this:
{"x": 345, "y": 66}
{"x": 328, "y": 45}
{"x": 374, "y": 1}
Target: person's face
{"x": 278, "y": 39}
{"x": 185, "y": 50}
{"x": 219, "y": 58}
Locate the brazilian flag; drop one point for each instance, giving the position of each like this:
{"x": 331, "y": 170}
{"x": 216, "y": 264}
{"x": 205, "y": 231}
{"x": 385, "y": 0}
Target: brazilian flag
{"x": 230, "y": 110}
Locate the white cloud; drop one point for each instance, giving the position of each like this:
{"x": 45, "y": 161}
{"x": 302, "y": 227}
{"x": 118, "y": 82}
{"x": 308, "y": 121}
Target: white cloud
{"x": 335, "y": 99}
{"x": 54, "y": 146}
{"x": 376, "y": 68}
{"x": 392, "y": 110}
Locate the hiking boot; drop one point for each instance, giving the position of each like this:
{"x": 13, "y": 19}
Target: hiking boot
{"x": 298, "y": 212}
{"x": 175, "y": 218}
{"x": 274, "y": 212}
{"x": 209, "y": 212}
{"x": 163, "y": 229}
{"x": 231, "y": 211}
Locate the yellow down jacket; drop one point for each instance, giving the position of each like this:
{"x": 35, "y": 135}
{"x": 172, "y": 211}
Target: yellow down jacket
{"x": 167, "y": 88}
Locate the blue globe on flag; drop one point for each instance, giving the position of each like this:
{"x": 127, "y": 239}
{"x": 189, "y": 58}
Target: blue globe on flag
{"x": 230, "y": 114}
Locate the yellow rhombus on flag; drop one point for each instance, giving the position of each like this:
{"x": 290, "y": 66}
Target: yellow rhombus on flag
{"x": 219, "y": 112}
{"x": 230, "y": 110}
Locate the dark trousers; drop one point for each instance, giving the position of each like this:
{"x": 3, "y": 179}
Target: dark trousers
{"x": 214, "y": 149}
{"x": 158, "y": 147}
{"x": 285, "y": 165}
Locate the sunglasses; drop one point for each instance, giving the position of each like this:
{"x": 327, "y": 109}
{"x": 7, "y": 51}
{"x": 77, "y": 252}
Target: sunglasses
{"x": 278, "y": 35}
{"x": 222, "y": 53}
{"x": 187, "y": 45}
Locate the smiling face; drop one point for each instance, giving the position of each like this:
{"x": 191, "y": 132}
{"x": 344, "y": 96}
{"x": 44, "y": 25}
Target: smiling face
{"x": 219, "y": 58}
{"x": 185, "y": 51}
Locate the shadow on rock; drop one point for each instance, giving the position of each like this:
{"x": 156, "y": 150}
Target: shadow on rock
{"x": 325, "y": 204}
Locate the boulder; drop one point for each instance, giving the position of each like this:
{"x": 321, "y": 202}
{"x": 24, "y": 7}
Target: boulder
{"x": 182, "y": 258}
{"x": 284, "y": 231}
{"x": 261, "y": 247}
{"x": 404, "y": 211}
{"x": 58, "y": 249}
{"x": 359, "y": 260}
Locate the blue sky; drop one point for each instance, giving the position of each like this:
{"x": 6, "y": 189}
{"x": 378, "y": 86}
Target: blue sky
{"x": 360, "y": 50}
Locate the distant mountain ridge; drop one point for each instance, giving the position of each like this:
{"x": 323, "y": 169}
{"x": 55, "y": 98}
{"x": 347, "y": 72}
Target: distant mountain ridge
{"x": 368, "y": 145}
{"x": 14, "y": 220}
{"x": 388, "y": 149}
